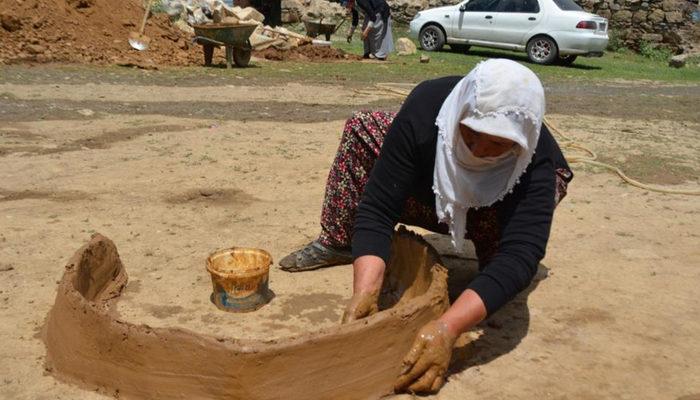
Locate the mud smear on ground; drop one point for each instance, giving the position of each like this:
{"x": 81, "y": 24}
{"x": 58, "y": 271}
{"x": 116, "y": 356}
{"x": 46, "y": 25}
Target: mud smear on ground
{"x": 20, "y": 111}
{"x": 103, "y": 141}
{"x": 60, "y": 196}
{"x": 216, "y": 197}
{"x": 163, "y": 311}
{"x": 312, "y": 307}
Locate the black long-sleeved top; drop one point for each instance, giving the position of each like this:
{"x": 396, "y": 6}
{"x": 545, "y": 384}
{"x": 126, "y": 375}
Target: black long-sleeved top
{"x": 405, "y": 169}
{"x": 370, "y": 8}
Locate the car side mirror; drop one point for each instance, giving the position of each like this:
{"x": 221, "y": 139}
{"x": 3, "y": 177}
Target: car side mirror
{"x": 463, "y": 7}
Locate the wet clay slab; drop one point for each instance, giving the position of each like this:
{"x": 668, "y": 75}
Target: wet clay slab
{"x": 88, "y": 344}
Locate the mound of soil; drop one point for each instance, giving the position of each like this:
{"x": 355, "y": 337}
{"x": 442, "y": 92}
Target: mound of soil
{"x": 307, "y": 53}
{"x": 97, "y": 32}
{"x": 88, "y": 31}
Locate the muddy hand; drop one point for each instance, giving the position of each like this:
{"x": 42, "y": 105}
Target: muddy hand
{"x": 361, "y": 305}
{"x": 426, "y": 363}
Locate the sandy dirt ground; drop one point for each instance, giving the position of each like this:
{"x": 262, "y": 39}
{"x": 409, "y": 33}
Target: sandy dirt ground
{"x": 613, "y": 313}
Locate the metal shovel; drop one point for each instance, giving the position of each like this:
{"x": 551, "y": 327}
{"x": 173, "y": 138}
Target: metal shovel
{"x": 138, "y": 40}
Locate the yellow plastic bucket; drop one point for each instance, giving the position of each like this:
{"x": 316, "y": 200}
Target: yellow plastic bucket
{"x": 240, "y": 278}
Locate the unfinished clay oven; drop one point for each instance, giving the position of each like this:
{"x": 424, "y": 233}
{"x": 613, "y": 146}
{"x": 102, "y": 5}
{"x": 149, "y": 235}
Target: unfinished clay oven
{"x": 87, "y": 344}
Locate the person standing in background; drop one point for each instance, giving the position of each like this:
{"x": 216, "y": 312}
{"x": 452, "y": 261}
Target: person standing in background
{"x": 376, "y": 27}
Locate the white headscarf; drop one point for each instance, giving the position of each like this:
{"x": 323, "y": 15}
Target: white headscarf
{"x": 500, "y": 98}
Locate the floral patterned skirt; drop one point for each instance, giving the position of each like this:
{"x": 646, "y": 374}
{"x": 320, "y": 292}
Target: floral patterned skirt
{"x": 359, "y": 148}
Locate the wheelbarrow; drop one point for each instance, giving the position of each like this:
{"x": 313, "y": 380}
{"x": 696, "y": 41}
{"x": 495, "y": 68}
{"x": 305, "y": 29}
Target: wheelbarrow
{"x": 234, "y": 37}
{"x": 319, "y": 27}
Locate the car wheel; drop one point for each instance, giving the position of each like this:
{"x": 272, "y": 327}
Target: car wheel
{"x": 460, "y": 48}
{"x": 542, "y": 50}
{"x": 566, "y": 60}
{"x": 431, "y": 38}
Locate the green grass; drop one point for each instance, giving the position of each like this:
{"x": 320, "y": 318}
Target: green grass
{"x": 624, "y": 65}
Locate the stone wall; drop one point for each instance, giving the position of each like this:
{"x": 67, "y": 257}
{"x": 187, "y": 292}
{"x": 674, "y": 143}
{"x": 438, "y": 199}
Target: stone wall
{"x": 404, "y": 10}
{"x": 659, "y": 22}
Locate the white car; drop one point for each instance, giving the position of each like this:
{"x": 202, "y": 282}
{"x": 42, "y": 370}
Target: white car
{"x": 548, "y": 30}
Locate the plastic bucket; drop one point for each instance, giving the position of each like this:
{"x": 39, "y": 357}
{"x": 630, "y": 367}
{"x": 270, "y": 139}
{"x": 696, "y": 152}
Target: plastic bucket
{"x": 240, "y": 278}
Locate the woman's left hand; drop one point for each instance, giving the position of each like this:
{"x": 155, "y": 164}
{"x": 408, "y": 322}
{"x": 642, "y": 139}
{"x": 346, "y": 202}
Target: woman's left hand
{"x": 426, "y": 363}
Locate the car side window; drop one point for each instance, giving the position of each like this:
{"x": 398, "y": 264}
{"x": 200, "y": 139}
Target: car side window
{"x": 482, "y": 5}
{"x": 531, "y": 6}
{"x": 519, "y": 6}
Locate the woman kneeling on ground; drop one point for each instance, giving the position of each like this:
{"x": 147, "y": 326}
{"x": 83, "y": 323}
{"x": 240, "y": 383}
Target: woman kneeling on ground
{"x": 469, "y": 157}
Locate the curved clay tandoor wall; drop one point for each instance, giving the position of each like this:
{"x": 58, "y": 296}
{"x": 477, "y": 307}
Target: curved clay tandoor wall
{"x": 89, "y": 346}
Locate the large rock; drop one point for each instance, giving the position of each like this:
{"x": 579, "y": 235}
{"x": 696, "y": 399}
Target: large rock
{"x": 673, "y": 38}
{"x": 404, "y": 47}
{"x": 656, "y": 16}
{"x": 639, "y": 17}
{"x": 405, "y": 10}
{"x": 678, "y": 61}
{"x": 674, "y": 17}
{"x": 324, "y": 9}
{"x": 292, "y": 11}
{"x": 671, "y": 5}
{"x": 622, "y": 16}
{"x": 652, "y": 37}
{"x": 248, "y": 14}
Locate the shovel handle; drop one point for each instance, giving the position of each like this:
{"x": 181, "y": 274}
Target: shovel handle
{"x": 145, "y": 16}
{"x": 340, "y": 24}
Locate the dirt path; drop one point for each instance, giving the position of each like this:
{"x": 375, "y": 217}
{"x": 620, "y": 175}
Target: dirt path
{"x": 614, "y": 313}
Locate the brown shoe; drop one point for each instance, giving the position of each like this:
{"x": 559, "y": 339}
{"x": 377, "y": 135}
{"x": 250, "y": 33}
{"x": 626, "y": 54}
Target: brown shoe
{"x": 313, "y": 256}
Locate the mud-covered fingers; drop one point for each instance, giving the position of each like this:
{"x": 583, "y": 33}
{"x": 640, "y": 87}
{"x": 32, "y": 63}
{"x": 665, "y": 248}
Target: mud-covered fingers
{"x": 413, "y": 355}
{"x": 360, "y": 306}
{"x": 374, "y": 308}
{"x": 405, "y": 380}
{"x": 350, "y": 313}
{"x": 424, "y": 383}
{"x": 347, "y": 317}
{"x": 437, "y": 383}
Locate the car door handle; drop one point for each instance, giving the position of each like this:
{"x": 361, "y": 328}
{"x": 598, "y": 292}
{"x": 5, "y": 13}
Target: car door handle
{"x": 532, "y": 18}
{"x": 447, "y": 15}
{"x": 488, "y": 17}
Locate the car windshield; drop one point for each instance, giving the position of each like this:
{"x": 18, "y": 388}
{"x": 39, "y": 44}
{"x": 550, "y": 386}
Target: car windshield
{"x": 568, "y": 5}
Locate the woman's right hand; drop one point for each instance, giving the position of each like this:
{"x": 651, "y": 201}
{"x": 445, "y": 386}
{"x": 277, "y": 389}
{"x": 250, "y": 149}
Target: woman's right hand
{"x": 361, "y": 305}
{"x": 368, "y": 276}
